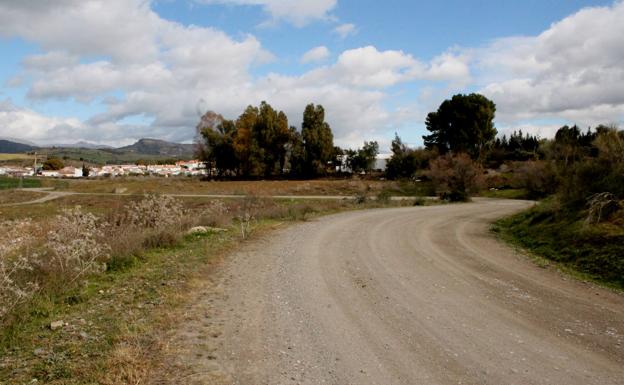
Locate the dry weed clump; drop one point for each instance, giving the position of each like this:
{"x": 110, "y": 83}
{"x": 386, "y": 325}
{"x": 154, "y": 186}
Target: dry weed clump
{"x": 216, "y": 214}
{"x": 154, "y": 221}
{"x": 246, "y": 214}
{"x": 53, "y": 255}
{"x": 17, "y": 262}
{"x": 75, "y": 246}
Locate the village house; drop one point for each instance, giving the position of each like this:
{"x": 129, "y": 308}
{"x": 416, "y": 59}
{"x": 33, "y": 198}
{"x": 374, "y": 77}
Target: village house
{"x": 70, "y": 172}
{"x": 18, "y": 171}
{"x": 50, "y": 173}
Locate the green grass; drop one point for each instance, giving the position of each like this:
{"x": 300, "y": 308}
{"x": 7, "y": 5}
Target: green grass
{"x": 594, "y": 252}
{"x": 9, "y": 182}
{"x": 506, "y": 194}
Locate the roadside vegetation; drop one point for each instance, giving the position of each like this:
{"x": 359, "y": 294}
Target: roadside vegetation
{"x": 581, "y": 223}
{"x": 89, "y": 284}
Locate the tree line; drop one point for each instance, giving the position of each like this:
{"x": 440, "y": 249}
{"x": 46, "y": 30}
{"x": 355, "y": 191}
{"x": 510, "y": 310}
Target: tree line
{"x": 461, "y": 146}
{"x": 261, "y": 143}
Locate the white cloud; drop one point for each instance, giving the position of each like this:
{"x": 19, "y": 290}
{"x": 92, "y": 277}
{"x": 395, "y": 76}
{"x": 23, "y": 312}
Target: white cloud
{"x": 369, "y": 67}
{"x": 315, "y": 55}
{"x": 572, "y": 71}
{"x": 296, "y": 12}
{"x": 162, "y": 71}
{"x": 345, "y": 30}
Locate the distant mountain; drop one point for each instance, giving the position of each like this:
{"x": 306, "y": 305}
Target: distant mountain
{"x": 159, "y": 147}
{"x": 144, "y": 149}
{"x": 18, "y": 140}
{"x": 82, "y": 144}
{"x": 10, "y": 147}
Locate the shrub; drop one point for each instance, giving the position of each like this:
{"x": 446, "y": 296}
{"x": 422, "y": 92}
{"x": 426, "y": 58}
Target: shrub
{"x": 53, "y": 164}
{"x": 16, "y": 264}
{"x": 538, "y": 178}
{"x": 420, "y": 201}
{"x": 455, "y": 176}
{"x": 300, "y": 211}
{"x": 155, "y": 211}
{"x": 75, "y": 246}
{"x": 154, "y": 221}
{"x": 384, "y": 196}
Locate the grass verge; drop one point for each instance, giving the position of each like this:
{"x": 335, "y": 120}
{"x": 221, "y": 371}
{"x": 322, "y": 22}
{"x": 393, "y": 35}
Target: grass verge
{"x": 111, "y": 325}
{"x": 566, "y": 241}
{"x": 506, "y": 194}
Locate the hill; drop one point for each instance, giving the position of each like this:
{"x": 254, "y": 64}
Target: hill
{"x": 159, "y": 147}
{"x": 150, "y": 150}
{"x": 82, "y": 144}
{"x": 10, "y": 147}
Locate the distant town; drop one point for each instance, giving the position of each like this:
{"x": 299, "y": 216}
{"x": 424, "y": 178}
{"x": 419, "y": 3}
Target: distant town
{"x": 183, "y": 168}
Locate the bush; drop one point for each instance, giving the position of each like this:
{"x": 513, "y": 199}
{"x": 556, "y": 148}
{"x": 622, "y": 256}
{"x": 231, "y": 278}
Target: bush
{"x": 16, "y": 264}
{"x": 384, "y": 196}
{"x": 75, "y": 246}
{"x": 53, "y": 164}
{"x": 455, "y": 177}
{"x": 538, "y": 178}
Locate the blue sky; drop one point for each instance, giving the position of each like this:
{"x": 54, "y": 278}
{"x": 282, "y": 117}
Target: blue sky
{"x": 114, "y": 71}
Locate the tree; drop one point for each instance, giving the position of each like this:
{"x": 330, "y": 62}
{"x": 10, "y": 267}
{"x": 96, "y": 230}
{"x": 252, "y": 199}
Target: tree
{"x": 465, "y": 123}
{"x": 295, "y": 153}
{"x": 244, "y": 141}
{"x": 85, "y": 170}
{"x": 363, "y": 159}
{"x": 53, "y": 164}
{"x": 405, "y": 161}
{"x": 216, "y": 143}
{"x": 318, "y": 140}
{"x": 570, "y": 144}
{"x": 271, "y": 133}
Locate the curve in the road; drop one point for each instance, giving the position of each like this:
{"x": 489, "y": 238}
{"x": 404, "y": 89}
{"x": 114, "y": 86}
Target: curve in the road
{"x": 404, "y": 296}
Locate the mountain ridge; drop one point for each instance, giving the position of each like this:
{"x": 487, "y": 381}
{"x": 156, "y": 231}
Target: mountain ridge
{"x": 145, "y": 147}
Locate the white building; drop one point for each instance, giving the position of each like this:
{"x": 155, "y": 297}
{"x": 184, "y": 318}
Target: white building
{"x": 70, "y": 172}
{"x": 50, "y": 173}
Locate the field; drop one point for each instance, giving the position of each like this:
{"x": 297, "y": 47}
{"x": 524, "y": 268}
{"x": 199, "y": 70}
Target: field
{"x": 10, "y": 183}
{"x": 4, "y": 157}
{"x": 10, "y": 196}
{"x": 141, "y": 185}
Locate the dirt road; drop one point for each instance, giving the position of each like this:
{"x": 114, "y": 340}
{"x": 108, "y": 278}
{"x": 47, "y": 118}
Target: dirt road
{"x": 420, "y": 295}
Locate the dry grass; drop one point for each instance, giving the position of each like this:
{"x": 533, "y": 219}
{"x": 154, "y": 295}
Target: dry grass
{"x": 141, "y": 185}
{"x": 17, "y": 196}
{"x": 15, "y": 157}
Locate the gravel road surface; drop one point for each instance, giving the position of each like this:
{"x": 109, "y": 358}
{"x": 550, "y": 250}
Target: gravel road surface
{"x": 421, "y": 295}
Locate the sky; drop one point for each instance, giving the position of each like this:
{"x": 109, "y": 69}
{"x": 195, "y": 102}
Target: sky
{"x": 114, "y": 71}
